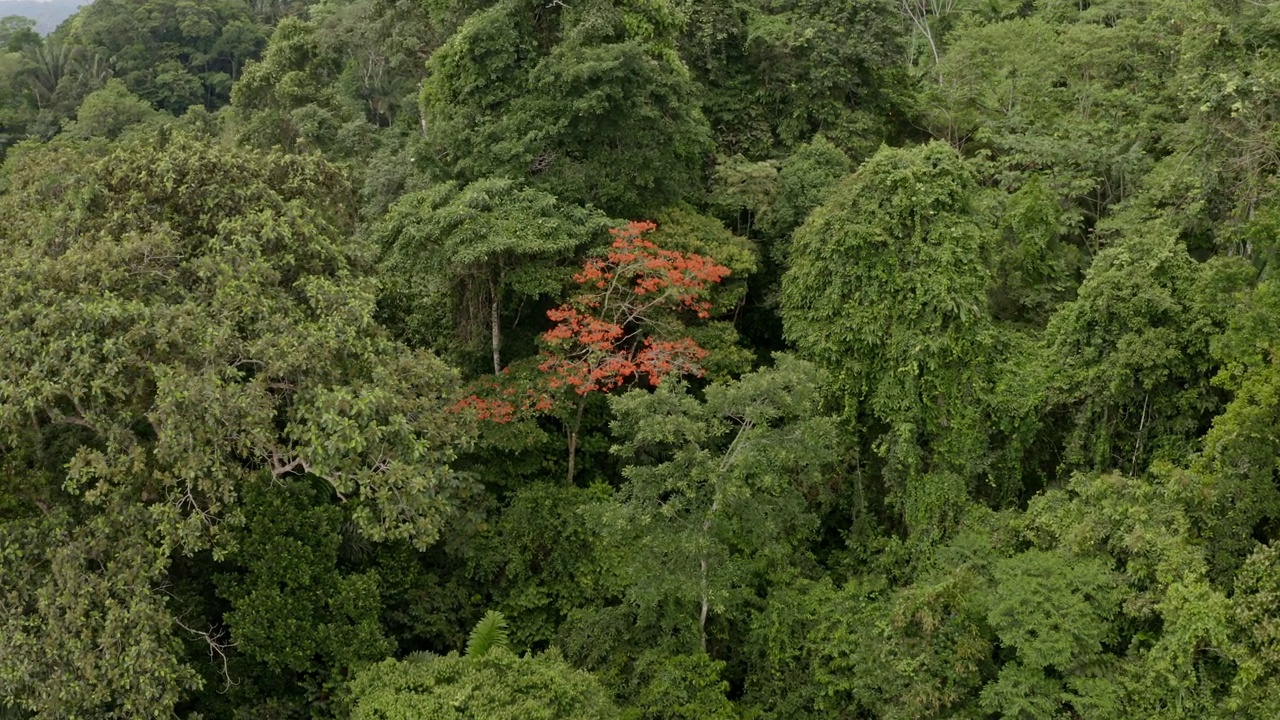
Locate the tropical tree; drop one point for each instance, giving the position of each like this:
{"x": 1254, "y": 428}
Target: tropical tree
{"x": 719, "y": 494}
{"x": 590, "y": 102}
{"x": 50, "y": 64}
{"x": 469, "y": 253}
{"x": 185, "y": 321}
{"x": 625, "y": 323}
{"x": 1128, "y": 360}
{"x": 887, "y": 292}
{"x": 289, "y": 98}
{"x": 488, "y": 682}
{"x": 109, "y": 112}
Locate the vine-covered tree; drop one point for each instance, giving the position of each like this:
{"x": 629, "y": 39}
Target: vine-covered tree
{"x": 887, "y": 290}
{"x": 589, "y": 101}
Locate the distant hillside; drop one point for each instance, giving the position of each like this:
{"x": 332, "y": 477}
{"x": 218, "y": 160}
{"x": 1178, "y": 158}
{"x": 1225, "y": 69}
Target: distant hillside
{"x": 48, "y": 15}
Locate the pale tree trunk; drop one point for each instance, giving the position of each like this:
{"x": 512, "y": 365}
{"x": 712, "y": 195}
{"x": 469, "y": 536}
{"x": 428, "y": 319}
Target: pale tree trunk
{"x": 703, "y": 585}
{"x": 572, "y": 432}
{"x": 706, "y": 607}
{"x": 920, "y": 12}
{"x": 495, "y": 324}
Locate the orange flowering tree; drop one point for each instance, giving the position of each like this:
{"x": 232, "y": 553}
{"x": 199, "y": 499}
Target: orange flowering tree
{"x": 624, "y": 323}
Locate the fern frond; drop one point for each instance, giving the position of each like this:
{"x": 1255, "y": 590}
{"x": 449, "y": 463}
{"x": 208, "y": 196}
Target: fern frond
{"x": 489, "y": 633}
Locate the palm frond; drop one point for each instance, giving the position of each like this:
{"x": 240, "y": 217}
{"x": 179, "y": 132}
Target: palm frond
{"x": 489, "y": 633}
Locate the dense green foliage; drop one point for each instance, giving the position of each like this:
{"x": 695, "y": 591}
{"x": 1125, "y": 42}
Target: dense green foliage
{"x": 641, "y": 359}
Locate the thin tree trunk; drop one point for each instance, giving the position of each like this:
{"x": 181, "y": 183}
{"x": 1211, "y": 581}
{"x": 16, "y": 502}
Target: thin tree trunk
{"x": 1142, "y": 429}
{"x": 495, "y": 324}
{"x": 706, "y": 602}
{"x": 573, "y": 438}
{"x": 703, "y": 584}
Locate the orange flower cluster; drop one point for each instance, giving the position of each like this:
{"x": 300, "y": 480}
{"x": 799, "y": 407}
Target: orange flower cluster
{"x": 661, "y": 358}
{"x": 607, "y": 373}
{"x": 597, "y": 343}
{"x": 590, "y": 331}
{"x": 501, "y": 404}
{"x": 640, "y": 268}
